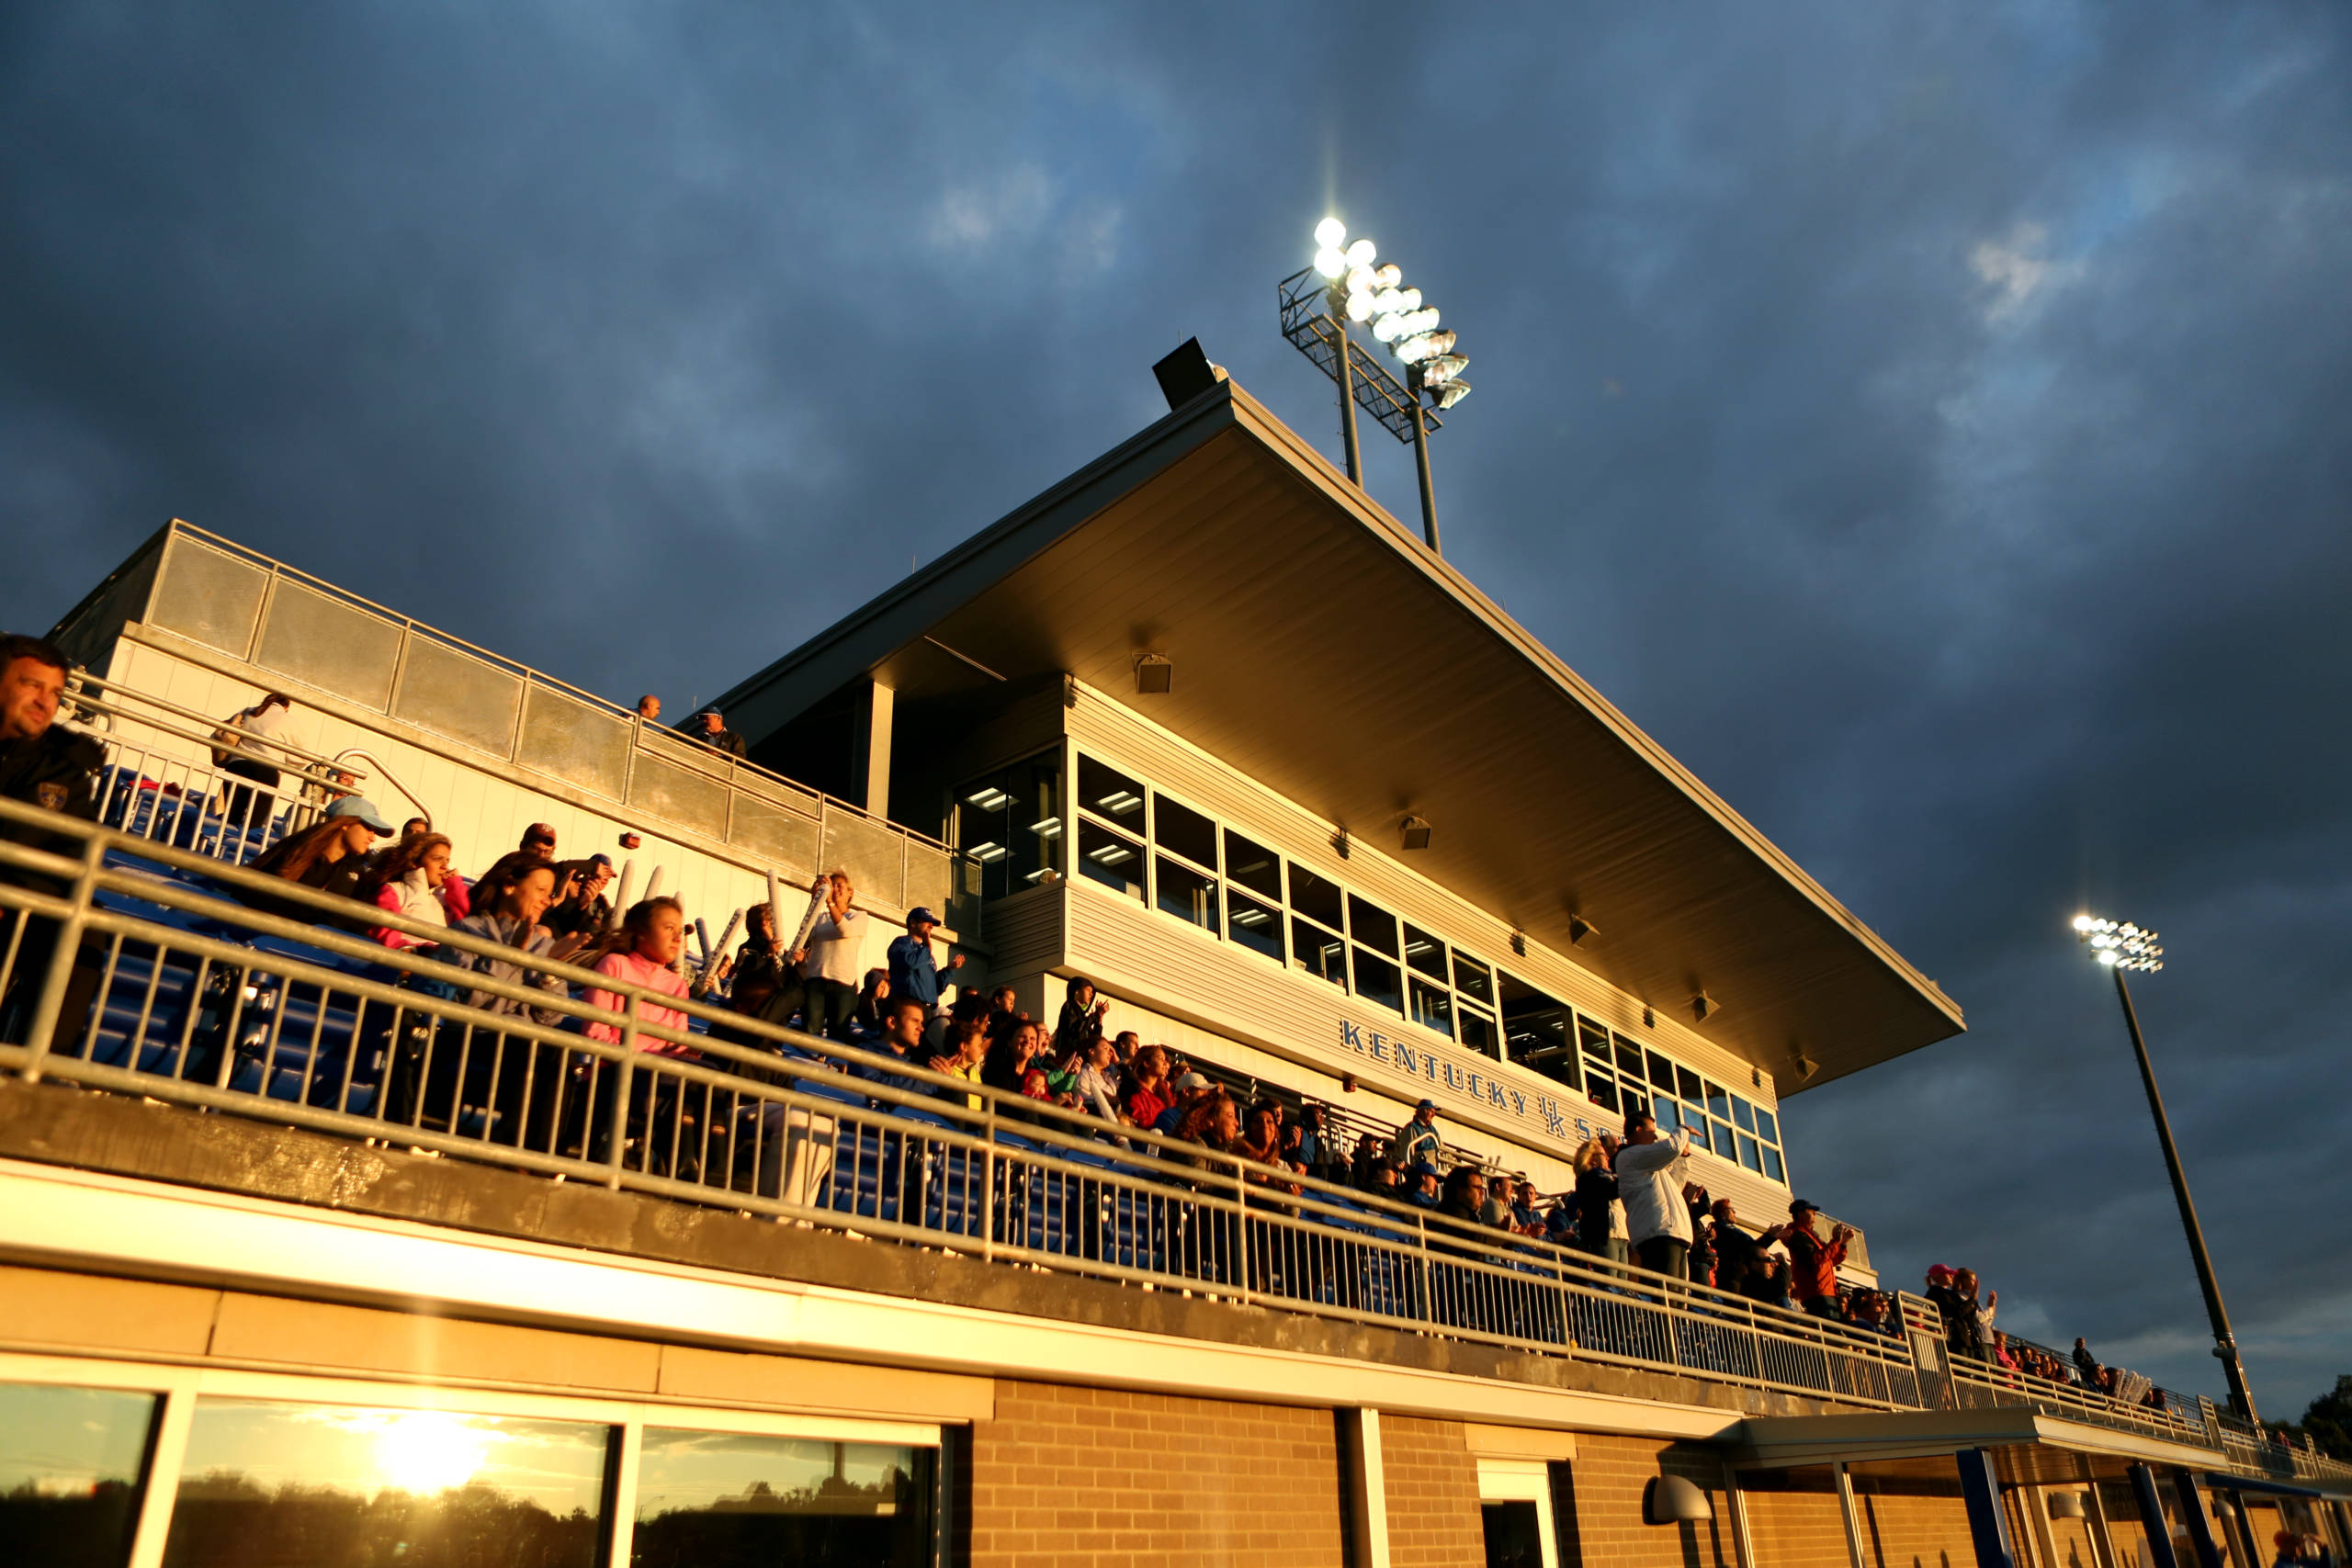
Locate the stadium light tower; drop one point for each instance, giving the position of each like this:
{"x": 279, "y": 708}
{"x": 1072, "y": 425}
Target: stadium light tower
{"x": 2120, "y": 947}
{"x": 1342, "y": 285}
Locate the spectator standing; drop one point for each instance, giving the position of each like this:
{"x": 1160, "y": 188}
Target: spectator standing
{"x": 1702, "y": 1238}
{"x": 648, "y": 708}
{"x": 1596, "y": 1197}
{"x": 830, "y": 965}
{"x": 712, "y": 731}
{"x": 1418, "y": 1141}
{"x": 1650, "y": 1173}
{"x": 1814, "y": 1262}
{"x": 2086, "y": 1363}
{"x": 240, "y": 747}
{"x": 915, "y": 970}
{"x": 1080, "y": 1023}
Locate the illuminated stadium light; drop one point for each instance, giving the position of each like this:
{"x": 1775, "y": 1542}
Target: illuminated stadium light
{"x": 2120, "y": 944}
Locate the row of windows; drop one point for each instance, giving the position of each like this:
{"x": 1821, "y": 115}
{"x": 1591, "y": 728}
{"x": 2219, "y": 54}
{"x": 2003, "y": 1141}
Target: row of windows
{"x": 268, "y": 1482}
{"x": 1129, "y": 837}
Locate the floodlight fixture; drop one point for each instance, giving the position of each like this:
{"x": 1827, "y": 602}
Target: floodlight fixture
{"x": 2120, "y": 947}
{"x": 1417, "y": 833}
{"x": 1330, "y": 262}
{"x": 1675, "y": 1500}
{"x": 1453, "y": 392}
{"x": 1330, "y": 233}
{"x": 1154, "y": 675}
{"x": 1361, "y": 252}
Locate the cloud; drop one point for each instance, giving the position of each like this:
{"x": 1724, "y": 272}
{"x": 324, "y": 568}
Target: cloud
{"x": 2016, "y": 273}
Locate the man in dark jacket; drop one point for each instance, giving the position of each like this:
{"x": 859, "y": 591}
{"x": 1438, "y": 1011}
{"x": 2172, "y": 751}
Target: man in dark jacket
{"x": 711, "y": 730}
{"x": 55, "y": 770}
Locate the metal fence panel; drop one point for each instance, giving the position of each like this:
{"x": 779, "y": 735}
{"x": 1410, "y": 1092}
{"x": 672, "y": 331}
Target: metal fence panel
{"x": 456, "y": 695}
{"x": 326, "y": 643}
{"x": 208, "y": 596}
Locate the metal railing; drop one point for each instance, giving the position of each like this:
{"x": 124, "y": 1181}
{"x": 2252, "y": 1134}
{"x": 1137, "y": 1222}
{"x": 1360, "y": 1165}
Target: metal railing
{"x": 135, "y": 968}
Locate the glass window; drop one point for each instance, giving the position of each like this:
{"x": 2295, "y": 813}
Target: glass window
{"x": 1107, "y": 792}
{"x": 1772, "y": 1165}
{"x": 1187, "y": 894}
{"x": 1473, "y": 978}
{"x": 1425, "y": 953}
{"x": 1629, "y": 1056}
{"x": 1010, "y": 824}
{"x": 1766, "y": 1128}
{"x": 1318, "y": 953}
{"x": 1112, "y": 859}
{"x": 1661, "y": 1071}
{"x": 1686, "y": 1084}
{"x": 1725, "y": 1146}
{"x": 1594, "y": 1039}
{"x": 1747, "y": 1155}
{"x": 1377, "y": 981}
{"x": 1258, "y": 927}
{"x": 71, "y": 1463}
{"x": 1718, "y": 1102}
{"x": 1318, "y": 899}
{"x": 1601, "y": 1091}
{"x": 1432, "y": 1006}
{"x": 1743, "y": 1115}
{"x": 1183, "y": 830}
{"x": 1634, "y": 1092}
{"x": 1662, "y": 1108}
{"x": 1253, "y": 866}
{"x": 1372, "y": 926}
{"x": 1536, "y": 1029}
{"x": 270, "y": 1483}
{"x": 1478, "y": 1032}
{"x": 726, "y": 1498}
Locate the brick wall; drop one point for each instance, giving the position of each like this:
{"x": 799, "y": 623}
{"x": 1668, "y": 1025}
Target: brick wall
{"x": 1097, "y": 1478}
{"x": 1610, "y": 1479}
{"x": 1433, "y": 1518}
{"x": 1799, "y": 1529}
{"x": 1795, "y": 1522}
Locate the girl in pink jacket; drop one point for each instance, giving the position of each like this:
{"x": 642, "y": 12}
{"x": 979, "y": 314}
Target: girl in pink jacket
{"x": 654, "y": 932}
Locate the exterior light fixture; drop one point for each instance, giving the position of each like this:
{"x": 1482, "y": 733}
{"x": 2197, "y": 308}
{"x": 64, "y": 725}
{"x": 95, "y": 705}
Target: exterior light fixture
{"x": 2065, "y": 1504}
{"x": 1343, "y": 285}
{"x": 1154, "y": 675}
{"x": 1578, "y": 929}
{"x": 2119, "y": 947}
{"x": 1674, "y": 1500}
{"x": 1339, "y": 843}
{"x": 1704, "y": 1006}
{"x": 1807, "y": 1067}
{"x": 1417, "y": 833}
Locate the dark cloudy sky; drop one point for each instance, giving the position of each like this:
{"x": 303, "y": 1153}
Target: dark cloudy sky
{"x": 1930, "y": 420}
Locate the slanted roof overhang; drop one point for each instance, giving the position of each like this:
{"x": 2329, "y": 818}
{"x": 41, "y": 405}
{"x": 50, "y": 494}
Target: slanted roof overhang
{"x": 2026, "y": 1446}
{"x": 1323, "y": 650}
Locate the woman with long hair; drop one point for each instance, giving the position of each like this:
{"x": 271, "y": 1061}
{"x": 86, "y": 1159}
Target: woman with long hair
{"x": 830, "y": 965}
{"x": 409, "y": 878}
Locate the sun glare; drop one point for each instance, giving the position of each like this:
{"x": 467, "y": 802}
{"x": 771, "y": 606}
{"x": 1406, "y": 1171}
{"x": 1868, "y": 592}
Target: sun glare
{"x": 429, "y": 1451}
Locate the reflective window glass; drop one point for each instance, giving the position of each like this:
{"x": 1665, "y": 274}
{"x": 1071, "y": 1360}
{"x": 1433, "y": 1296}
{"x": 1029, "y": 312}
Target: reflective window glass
{"x": 1556, "y": 1062}
{"x": 1747, "y": 1154}
{"x": 71, "y": 1462}
{"x": 1724, "y": 1140}
{"x": 1010, "y": 823}
{"x": 271, "y": 1483}
{"x": 1629, "y": 1055}
{"x": 1425, "y": 953}
{"x": 1594, "y": 1039}
{"x": 1318, "y": 953}
{"x": 1319, "y": 899}
{"x": 1772, "y": 1165}
{"x": 1253, "y": 866}
{"x": 1696, "y": 1120}
{"x": 1256, "y": 926}
{"x": 1766, "y": 1128}
{"x": 1183, "y": 830}
{"x": 1432, "y": 1006}
{"x": 1634, "y": 1092}
{"x": 1718, "y": 1101}
{"x": 1107, "y": 792}
{"x": 1663, "y": 1109}
{"x": 1601, "y": 1091}
{"x": 1743, "y": 1115}
{"x": 1112, "y": 859}
{"x": 1186, "y": 893}
{"x": 1473, "y": 978}
{"x": 725, "y": 1499}
{"x": 1686, "y": 1084}
{"x": 1661, "y": 1071}
{"x": 1372, "y": 925}
{"x": 1536, "y": 1027}
{"x": 1377, "y": 981}
{"x": 1478, "y": 1032}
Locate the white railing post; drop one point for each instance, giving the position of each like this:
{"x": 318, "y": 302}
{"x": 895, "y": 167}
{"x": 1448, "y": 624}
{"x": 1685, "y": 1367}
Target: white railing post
{"x": 43, "y": 1030}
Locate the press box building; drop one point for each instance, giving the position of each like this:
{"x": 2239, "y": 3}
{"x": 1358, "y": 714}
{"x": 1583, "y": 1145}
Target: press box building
{"x": 1176, "y": 726}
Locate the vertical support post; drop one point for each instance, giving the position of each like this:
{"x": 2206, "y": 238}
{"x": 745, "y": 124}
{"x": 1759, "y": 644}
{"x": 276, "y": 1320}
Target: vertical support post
{"x": 2225, "y": 1345}
{"x": 2192, "y": 1514}
{"x": 623, "y": 1478}
{"x": 1847, "y": 1512}
{"x": 1421, "y": 460}
{"x": 2152, "y": 1519}
{"x": 1367, "y": 1482}
{"x": 40, "y": 1034}
{"x": 1980, "y": 1488}
{"x": 1347, "y": 387}
{"x": 870, "y": 748}
{"x": 2036, "y": 1501}
{"x": 1743, "y": 1544}
{"x": 2102, "y": 1542}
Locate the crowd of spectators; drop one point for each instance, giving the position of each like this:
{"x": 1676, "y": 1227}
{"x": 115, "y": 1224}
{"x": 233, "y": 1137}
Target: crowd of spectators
{"x": 1633, "y": 1199}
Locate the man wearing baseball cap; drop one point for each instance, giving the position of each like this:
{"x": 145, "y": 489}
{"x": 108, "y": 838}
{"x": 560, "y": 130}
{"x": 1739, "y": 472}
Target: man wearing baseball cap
{"x": 1815, "y": 1261}
{"x": 915, "y": 970}
{"x": 1418, "y": 1140}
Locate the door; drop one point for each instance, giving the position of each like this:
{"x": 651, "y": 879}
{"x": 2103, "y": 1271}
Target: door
{"x": 1515, "y": 1506}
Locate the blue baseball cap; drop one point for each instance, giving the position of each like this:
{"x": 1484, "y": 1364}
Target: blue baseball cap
{"x": 353, "y": 805}
{"x": 922, "y": 916}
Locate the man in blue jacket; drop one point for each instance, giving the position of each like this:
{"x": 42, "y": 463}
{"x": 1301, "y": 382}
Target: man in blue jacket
{"x": 913, "y": 972}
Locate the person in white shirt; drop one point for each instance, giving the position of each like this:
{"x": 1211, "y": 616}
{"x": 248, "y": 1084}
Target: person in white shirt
{"x": 237, "y": 748}
{"x": 833, "y": 961}
{"x": 1650, "y": 1173}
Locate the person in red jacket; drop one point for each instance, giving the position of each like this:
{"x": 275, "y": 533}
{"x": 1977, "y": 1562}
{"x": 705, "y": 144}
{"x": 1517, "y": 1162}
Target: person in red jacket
{"x": 1815, "y": 1261}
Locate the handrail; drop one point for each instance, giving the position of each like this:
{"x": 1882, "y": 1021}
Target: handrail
{"x": 389, "y": 777}
{"x": 81, "y": 680}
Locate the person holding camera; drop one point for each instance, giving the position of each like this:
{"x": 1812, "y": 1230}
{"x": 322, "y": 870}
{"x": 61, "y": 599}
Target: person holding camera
{"x": 1815, "y": 1261}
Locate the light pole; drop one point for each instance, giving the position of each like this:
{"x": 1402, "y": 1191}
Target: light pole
{"x": 2119, "y": 946}
{"x": 1343, "y": 286}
